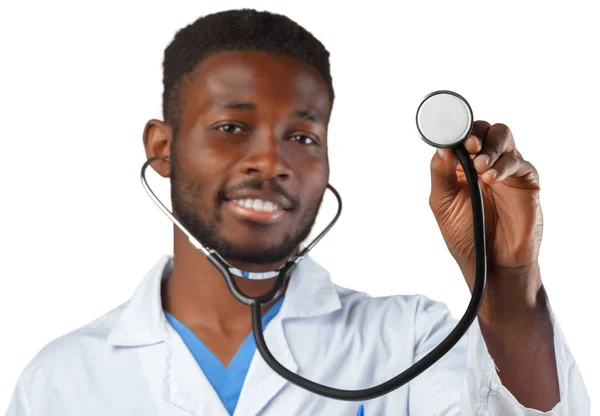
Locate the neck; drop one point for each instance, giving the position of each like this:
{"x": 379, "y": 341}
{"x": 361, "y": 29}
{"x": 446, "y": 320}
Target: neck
{"x": 197, "y": 293}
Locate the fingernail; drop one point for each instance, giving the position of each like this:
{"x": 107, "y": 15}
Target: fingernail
{"x": 492, "y": 173}
{"x": 485, "y": 159}
{"x": 441, "y": 152}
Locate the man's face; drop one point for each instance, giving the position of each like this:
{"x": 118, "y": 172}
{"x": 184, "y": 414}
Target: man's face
{"x": 249, "y": 166}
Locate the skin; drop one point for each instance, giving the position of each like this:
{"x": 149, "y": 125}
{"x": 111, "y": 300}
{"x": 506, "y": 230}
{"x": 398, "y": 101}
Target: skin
{"x": 220, "y": 152}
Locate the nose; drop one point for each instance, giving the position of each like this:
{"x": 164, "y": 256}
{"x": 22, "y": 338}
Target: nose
{"x": 264, "y": 158}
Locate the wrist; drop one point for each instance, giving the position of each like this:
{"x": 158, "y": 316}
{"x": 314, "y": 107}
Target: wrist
{"x": 526, "y": 335}
{"x": 514, "y": 297}
{"x": 515, "y": 319}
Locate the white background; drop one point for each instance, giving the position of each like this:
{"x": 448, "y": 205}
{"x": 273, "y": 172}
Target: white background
{"x": 79, "y": 81}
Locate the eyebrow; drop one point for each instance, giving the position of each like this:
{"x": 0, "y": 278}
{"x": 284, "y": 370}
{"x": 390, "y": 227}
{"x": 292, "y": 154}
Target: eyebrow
{"x": 310, "y": 115}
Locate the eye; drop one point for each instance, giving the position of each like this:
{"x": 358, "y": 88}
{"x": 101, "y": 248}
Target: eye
{"x": 303, "y": 139}
{"x": 228, "y": 128}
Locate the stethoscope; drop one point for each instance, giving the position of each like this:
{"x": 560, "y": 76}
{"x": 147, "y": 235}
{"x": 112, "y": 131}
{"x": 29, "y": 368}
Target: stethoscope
{"x": 444, "y": 119}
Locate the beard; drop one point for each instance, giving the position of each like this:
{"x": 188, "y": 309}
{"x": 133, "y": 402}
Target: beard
{"x": 189, "y": 204}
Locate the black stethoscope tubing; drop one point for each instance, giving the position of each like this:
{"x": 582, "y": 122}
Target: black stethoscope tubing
{"x": 285, "y": 273}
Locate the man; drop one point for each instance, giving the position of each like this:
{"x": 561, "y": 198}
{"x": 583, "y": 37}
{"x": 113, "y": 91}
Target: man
{"x": 247, "y": 99}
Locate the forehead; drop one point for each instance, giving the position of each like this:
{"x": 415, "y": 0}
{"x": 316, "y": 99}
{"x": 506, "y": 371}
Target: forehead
{"x": 260, "y": 77}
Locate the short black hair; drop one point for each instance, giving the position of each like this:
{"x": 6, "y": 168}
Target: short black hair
{"x": 242, "y": 29}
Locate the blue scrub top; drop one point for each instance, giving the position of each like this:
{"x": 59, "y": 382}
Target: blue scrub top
{"x": 227, "y": 381}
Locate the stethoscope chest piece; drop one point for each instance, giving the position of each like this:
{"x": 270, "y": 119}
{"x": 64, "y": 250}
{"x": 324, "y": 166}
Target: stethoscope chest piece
{"x": 444, "y": 119}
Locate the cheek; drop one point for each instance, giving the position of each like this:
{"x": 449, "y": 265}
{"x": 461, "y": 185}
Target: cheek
{"x": 207, "y": 162}
{"x": 207, "y": 167}
{"x": 315, "y": 172}
{"x": 314, "y": 182}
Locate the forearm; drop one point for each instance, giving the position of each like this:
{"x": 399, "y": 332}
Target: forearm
{"x": 519, "y": 337}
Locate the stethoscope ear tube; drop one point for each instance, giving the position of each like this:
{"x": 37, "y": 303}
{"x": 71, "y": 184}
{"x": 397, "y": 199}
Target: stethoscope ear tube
{"x": 434, "y": 355}
{"x": 271, "y": 295}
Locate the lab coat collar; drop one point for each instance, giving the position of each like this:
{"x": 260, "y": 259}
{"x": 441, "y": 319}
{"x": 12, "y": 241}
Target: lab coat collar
{"x": 142, "y": 321}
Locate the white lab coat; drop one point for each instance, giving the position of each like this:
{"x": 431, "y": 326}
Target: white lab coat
{"x": 132, "y": 362}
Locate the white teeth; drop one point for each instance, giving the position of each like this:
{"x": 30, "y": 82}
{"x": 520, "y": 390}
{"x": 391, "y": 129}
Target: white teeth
{"x": 257, "y": 204}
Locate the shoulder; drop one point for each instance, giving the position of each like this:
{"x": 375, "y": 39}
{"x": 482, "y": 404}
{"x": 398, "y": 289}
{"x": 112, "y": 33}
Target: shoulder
{"x": 72, "y": 349}
{"x": 417, "y": 312}
{"x": 354, "y": 301}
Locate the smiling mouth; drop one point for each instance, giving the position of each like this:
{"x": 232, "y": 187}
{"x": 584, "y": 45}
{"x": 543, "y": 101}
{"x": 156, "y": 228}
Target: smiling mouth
{"x": 256, "y": 210}
{"x": 257, "y": 204}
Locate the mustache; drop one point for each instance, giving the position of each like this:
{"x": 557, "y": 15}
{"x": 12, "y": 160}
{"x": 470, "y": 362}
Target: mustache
{"x": 259, "y": 185}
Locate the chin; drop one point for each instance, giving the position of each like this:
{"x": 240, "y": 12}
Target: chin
{"x": 257, "y": 253}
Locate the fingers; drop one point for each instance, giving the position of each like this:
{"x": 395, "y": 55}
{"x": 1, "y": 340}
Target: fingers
{"x": 473, "y": 145}
{"x": 495, "y": 158}
{"x": 487, "y": 143}
{"x": 511, "y": 166}
{"x": 474, "y": 141}
{"x": 480, "y": 129}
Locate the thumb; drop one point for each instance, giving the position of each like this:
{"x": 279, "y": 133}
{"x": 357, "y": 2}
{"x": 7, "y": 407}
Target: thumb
{"x": 444, "y": 180}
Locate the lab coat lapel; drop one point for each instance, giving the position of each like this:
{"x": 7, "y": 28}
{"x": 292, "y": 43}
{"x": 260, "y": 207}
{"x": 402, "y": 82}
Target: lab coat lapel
{"x": 184, "y": 384}
{"x": 171, "y": 369}
{"x": 262, "y": 383}
{"x": 168, "y": 365}
{"x": 310, "y": 293}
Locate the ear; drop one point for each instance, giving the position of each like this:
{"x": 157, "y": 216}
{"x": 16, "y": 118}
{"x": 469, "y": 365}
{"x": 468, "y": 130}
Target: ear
{"x": 157, "y": 142}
